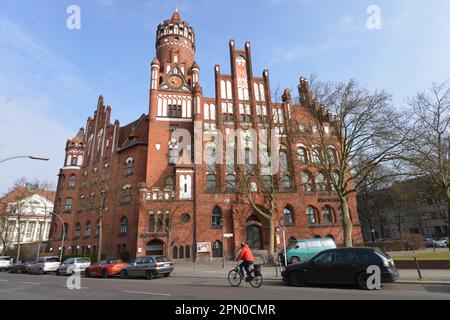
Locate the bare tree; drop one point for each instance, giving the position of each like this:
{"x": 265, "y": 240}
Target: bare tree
{"x": 355, "y": 131}
{"x": 429, "y": 146}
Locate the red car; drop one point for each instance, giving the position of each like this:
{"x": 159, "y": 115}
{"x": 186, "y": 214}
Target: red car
{"x": 106, "y": 268}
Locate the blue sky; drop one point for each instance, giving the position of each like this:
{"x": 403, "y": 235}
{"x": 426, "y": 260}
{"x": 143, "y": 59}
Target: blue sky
{"x": 50, "y": 76}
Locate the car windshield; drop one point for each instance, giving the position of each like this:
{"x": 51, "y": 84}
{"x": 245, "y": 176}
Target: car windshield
{"x": 69, "y": 261}
{"x": 5, "y": 258}
{"x": 292, "y": 244}
{"x": 53, "y": 260}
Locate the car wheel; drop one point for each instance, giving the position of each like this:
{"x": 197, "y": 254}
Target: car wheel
{"x": 104, "y": 274}
{"x": 124, "y": 274}
{"x": 29, "y": 271}
{"x": 148, "y": 275}
{"x": 86, "y": 273}
{"x": 297, "y": 279}
{"x": 295, "y": 260}
{"x": 166, "y": 275}
{"x": 361, "y": 280}
{"x": 57, "y": 273}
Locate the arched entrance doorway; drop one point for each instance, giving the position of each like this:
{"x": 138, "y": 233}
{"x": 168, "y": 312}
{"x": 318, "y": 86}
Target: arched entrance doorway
{"x": 155, "y": 248}
{"x": 254, "y": 233}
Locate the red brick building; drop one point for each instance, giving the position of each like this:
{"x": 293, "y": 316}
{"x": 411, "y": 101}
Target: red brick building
{"x": 155, "y": 199}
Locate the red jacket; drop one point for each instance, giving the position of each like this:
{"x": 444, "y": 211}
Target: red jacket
{"x": 246, "y": 254}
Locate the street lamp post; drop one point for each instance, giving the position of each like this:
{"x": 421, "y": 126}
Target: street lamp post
{"x": 29, "y": 157}
{"x": 223, "y": 243}
{"x": 63, "y": 235}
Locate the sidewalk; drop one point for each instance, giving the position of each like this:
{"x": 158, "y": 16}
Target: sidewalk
{"x": 215, "y": 270}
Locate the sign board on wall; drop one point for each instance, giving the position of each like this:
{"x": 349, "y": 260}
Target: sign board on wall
{"x": 203, "y": 247}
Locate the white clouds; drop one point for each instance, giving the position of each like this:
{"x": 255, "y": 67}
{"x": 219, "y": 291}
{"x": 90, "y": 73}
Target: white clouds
{"x": 34, "y": 84}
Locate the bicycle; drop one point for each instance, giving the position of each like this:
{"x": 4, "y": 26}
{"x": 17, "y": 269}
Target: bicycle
{"x": 256, "y": 279}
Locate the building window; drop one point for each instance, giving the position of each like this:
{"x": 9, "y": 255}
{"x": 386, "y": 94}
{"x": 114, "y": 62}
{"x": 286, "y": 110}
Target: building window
{"x": 123, "y": 226}
{"x": 82, "y": 203}
{"x": 77, "y": 230}
{"x": 151, "y": 223}
{"x": 267, "y": 183}
{"x": 175, "y": 252}
{"x": 286, "y": 183}
{"x": 321, "y": 183}
{"x": 210, "y": 159}
{"x": 217, "y": 249}
{"x": 316, "y": 155}
{"x": 174, "y": 154}
{"x": 185, "y": 218}
{"x": 88, "y": 230}
{"x": 160, "y": 222}
{"x": 129, "y": 167}
{"x": 169, "y": 183}
{"x": 306, "y": 182}
{"x": 188, "y": 252}
{"x": 283, "y": 162}
{"x": 211, "y": 183}
{"x": 332, "y": 157}
{"x": 216, "y": 217}
{"x": 288, "y": 216}
{"x": 311, "y": 215}
{"x": 302, "y": 155}
{"x": 230, "y": 184}
{"x": 181, "y": 252}
{"x": 72, "y": 181}
{"x": 69, "y": 203}
{"x": 126, "y": 194}
{"x": 327, "y": 215}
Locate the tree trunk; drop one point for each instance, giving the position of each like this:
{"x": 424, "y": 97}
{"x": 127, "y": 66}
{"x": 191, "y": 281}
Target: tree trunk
{"x": 346, "y": 223}
{"x": 100, "y": 240}
{"x": 271, "y": 240}
{"x": 168, "y": 244}
{"x": 448, "y": 221}
{"x": 18, "y": 245}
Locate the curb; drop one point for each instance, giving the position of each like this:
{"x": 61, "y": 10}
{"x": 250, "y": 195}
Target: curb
{"x": 439, "y": 282}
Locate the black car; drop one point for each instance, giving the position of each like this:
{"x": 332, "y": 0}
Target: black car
{"x": 21, "y": 266}
{"x": 341, "y": 266}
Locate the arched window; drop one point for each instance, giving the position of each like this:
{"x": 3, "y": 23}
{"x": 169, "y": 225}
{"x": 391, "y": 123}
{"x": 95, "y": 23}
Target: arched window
{"x": 188, "y": 252}
{"x": 69, "y": 203}
{"x": 302, "y": 155}
{"x": 306, "y": 182}
{"x": 123, "y": 226}
{"x": 77, "y": 230}
{"x": 311, "y": 215}
{"x": 327, "y": 213}
{"x": 73, "y": 161}
{"x": 217, "y": 249}
{"x": 151, "y": 222}
{"x": 169, "y": 182}
{"x": 283, "y": 162}
{"x": 126, "y": 194}
{"x": 321, "y": 182}
{"x": 332, "y": 156}
{"x": 129, "y": 166}
{"x": 181, "y": 252}
{"x": 216, "y": 217}
{"x": 288, "y": 216}
{"x": 230, "y": 183}
{"x": 211, "y": 183}
{"x": 175, "y": 252}
{"x": 210, "y": 159}
{"x": 88, "y": 230}
{"x": 72, "y": 181}
{"x": 316, "y": 155}
{"x": 160, "y": 222}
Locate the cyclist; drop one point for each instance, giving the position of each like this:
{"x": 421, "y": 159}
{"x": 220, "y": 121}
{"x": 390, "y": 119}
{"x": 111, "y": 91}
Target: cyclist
{"x": 247, "y": 260}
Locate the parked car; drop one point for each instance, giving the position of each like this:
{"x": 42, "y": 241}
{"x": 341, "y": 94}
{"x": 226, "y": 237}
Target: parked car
{"x": 303, "y": 250}
{"x": 106, "y": 268}
{"x": 73, "y": 265}
{"x": 341, "y": 266}
{"x": 21, "y": 266}
{"x": 148, "y": 267}
{"x": 5, "y": 263}
{"x": 428, "y": 241}
{"x": 44, "y": 265}
{"x": 441, "y": 242}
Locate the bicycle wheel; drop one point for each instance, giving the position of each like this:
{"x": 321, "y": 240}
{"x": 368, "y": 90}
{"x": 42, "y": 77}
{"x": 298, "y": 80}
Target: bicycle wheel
{"x": 234, "y": 278}
{"x": 257, "y": 281}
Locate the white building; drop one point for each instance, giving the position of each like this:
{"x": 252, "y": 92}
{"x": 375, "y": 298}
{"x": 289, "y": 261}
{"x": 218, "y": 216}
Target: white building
{"x": 33, "y": 214}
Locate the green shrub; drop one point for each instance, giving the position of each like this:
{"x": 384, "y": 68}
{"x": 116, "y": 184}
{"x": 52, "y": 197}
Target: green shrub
{"x": 388, "y": 245}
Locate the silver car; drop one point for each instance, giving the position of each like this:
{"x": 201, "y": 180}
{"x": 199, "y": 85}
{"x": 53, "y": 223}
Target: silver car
{"x": 44, "y": 265}
{"x": 441, "y": 242}
{"x": 5, "y": 263}
{"x": 148, "y": 267}
{"x": 73, "y": 265}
